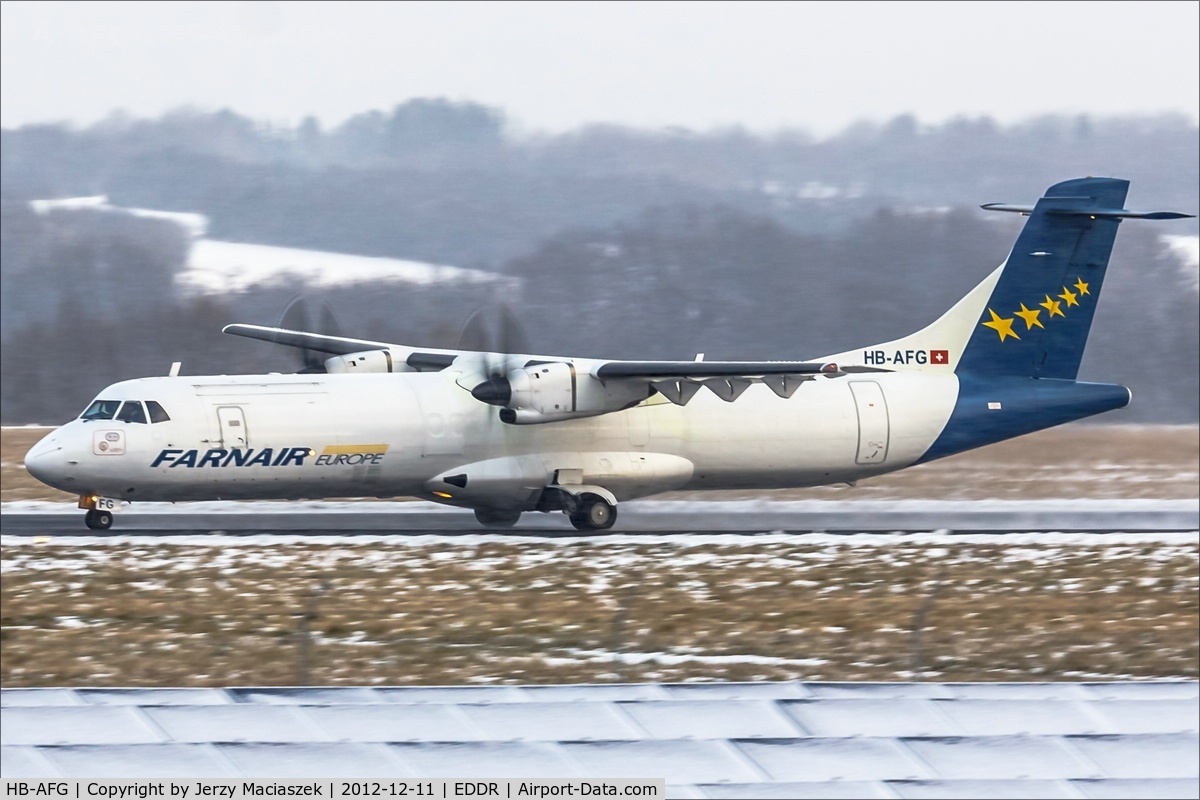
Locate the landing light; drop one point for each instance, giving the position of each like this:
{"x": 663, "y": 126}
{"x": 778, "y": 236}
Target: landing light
{"x": 443, "y": 494}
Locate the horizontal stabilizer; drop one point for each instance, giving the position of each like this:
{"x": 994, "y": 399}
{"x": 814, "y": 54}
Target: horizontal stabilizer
{"x": 1086, "y": 211}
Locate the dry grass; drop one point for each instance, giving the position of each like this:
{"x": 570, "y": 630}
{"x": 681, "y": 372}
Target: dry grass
{"x": 505, "y": 611}
{"x": 1073, "y": 461}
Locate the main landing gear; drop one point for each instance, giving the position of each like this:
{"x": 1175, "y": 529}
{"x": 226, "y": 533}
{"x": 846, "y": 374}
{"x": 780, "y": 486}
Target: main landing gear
{"x": 590, "y": 508}
{"x": 593, "y": 513}
{"x": 98, "y": 520}
{"x": 492, "y": 518}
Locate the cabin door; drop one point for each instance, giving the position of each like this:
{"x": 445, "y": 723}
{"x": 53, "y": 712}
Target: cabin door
{"x": 233, "y": 428}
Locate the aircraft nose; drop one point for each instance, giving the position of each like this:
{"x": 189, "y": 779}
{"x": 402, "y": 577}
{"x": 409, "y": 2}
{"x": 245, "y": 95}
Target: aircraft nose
{"x": 47, "y": 461}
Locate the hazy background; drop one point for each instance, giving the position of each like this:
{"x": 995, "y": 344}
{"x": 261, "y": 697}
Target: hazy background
{"x": 556, "y": 66}
{"x": 638, "y": 180}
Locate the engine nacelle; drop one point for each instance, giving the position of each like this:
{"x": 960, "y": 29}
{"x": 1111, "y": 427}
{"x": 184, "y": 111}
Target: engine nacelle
{"x": 553, "y": 391}
{"x": 383, "y": 360}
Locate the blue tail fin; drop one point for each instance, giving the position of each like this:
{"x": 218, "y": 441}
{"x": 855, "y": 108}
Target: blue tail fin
{"x": 1031, "y": 317}
{"x": 1030, "y": 320}
{"x": 1037, "y": 320}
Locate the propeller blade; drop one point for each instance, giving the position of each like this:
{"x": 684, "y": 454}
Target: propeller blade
{"x": 497, "y": 333}
{"x": 512, "y": 338}
{"x": 300, "y": 315}
{"x": 475, "y": 334}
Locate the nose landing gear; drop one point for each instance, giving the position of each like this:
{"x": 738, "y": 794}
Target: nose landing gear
{"x": 98, "y": 520}
{"x": 99, "y": 516}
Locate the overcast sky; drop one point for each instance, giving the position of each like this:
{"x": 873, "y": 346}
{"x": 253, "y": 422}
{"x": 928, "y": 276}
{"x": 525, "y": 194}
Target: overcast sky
{"x": 556, "y": 66}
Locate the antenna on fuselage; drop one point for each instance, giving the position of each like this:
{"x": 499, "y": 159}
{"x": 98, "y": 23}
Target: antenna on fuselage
{"x": 175, "y": 365}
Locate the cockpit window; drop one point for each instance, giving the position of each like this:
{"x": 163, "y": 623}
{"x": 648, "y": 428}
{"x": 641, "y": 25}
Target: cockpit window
{"x": 101, "y": 409}
{"x": 132, "y": 411}
{"x": 157, "y": 412}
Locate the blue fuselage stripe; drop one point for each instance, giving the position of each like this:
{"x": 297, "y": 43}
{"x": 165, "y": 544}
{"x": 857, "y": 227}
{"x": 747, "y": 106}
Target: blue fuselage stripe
{"x": 991, "y": 409}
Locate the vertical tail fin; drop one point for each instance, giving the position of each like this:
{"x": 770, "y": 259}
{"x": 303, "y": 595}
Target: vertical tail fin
{"x": 1031, "y": 317}
{"x": 1037, "y": 320}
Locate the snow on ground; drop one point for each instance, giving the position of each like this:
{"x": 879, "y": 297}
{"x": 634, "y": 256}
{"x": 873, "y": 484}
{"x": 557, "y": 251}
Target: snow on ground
{"x": 193, "y": 224}
{"x": 219, "y": 267}
{"x": 462, "y": 546}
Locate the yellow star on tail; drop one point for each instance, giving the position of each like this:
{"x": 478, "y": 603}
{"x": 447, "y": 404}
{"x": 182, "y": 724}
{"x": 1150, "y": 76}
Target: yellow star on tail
{"x": 1070, "y": 298}
{"x": 1030, "y": 316}
{"x": 1052, "y": 306}
{"x": 1082, "y": 287}
{"x": 1001, "y": 325}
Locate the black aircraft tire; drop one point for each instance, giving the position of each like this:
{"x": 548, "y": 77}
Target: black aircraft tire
{"x": 594, "y": 514}
{"x": 98, "y": 520}
{"x": 497, "y": 519}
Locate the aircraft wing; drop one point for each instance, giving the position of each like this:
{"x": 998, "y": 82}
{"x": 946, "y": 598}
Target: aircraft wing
{"x": 417, "y": 359}
{"x": 515, "y": 382}
{"x": 334, "y": 345}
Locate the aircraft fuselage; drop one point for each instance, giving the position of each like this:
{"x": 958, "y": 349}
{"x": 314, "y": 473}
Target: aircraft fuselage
{"x": 314, "y": 436}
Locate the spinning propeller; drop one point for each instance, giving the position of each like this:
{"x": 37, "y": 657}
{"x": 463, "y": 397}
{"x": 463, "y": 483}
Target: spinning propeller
{"x": 303, "y": 314}
{"x": 496, "y": 334}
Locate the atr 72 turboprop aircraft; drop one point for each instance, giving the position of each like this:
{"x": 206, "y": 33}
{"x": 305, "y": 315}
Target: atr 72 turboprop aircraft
{"x": 505, "y": 433}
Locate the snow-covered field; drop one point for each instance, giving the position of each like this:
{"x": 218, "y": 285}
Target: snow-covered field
{"x": 219, "y": 267}
{"x": 216, "y": 267}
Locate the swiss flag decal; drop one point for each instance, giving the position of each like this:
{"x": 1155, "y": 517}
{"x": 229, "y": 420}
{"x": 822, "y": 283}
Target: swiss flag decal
{"x": 939, "y": 356}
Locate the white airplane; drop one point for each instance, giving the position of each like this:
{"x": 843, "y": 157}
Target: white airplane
{"x": 505, "y": 433}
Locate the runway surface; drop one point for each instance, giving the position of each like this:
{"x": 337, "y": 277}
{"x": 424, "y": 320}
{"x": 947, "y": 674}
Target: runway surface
{"x": 701, "y": 518}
